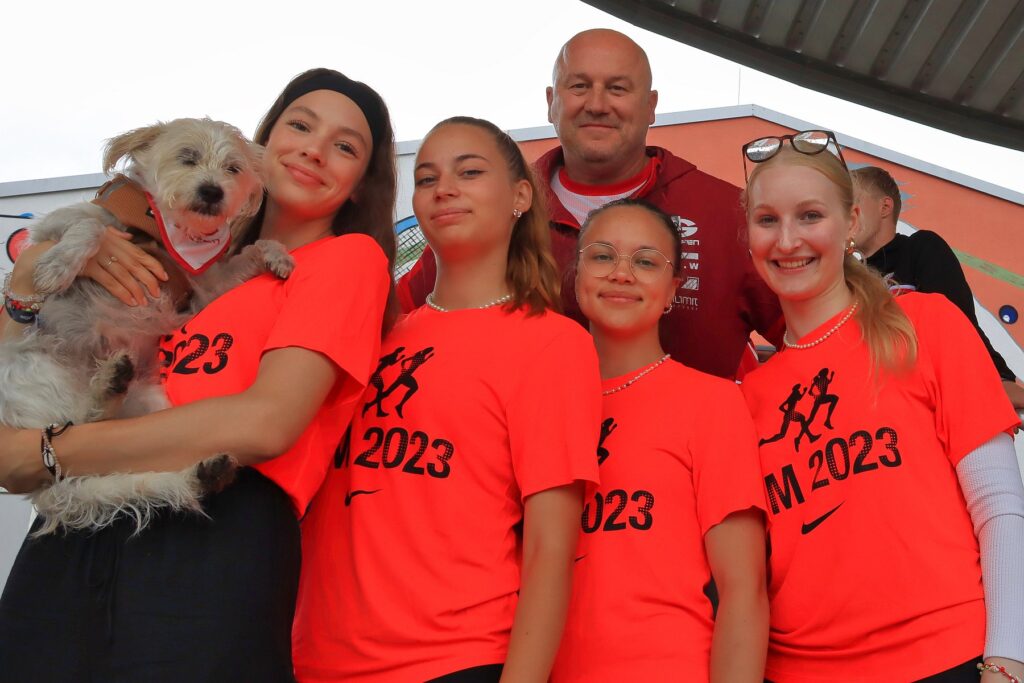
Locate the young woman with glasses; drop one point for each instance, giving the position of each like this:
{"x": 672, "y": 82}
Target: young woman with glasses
{"x": 680, "y": 500}
{"x": 441, "y": 546}
{"x": 896, "y": 507}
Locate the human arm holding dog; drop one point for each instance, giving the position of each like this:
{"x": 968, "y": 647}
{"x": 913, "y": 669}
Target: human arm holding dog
{"x": 277, "y": 353}
{"x": 125, "y": 270}
{"x": 253, "y": 426}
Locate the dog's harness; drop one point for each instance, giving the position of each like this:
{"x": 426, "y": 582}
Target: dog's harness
{"x": 134, "y": 207}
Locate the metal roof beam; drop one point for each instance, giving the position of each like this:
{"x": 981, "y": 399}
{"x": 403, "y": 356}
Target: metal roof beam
{"x": 709, "y": 9}
{"x": 802, "y": 23}
{"x": 753, "y": 22}
{"x": 1009, "y": 35}
{"x": 896, "y": 42}
{"x": 1011, "y": 98}
{"x": 949, "y": 44}
{"x": 852, "y": 30}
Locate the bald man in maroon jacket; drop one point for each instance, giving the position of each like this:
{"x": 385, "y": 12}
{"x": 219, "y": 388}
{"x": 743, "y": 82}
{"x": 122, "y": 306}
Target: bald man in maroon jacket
{"x": 601, "y": 104}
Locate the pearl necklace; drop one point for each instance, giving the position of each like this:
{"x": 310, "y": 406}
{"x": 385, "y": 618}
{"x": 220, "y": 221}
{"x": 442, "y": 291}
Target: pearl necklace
{"x": 437, "y": 307}
{"x": 637, "y": 376}
{"x": 842, "y": 321}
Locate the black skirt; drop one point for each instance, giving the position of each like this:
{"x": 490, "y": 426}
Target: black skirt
{"x": 191, "y": 598}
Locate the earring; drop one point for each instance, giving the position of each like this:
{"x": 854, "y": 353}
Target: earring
{"x": 853, "y": 252}
{"x": 517, "y": 213}
{"x": 668, "y": 308}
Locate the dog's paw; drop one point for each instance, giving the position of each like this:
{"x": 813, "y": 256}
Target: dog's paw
{"x": 119, "y": 371}
{"x": 276, "y": 258}
{"x": 52, "y": 274}
{"x": 216, "y": 473}
{"x": 109, "y": 384}
{"x": 78, "y": 230}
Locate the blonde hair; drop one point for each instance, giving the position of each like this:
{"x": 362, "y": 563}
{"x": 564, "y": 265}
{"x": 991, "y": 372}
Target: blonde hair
{"x": 531, "y": 270}
{"x": 888, "y": 333}
{"x": 879, "y": 182}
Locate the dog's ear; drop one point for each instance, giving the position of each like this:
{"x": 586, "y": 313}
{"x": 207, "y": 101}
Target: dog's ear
{"x": 127, "y": 144}
{"x": 256, "y": 156}
{"x": 252, "y": 203}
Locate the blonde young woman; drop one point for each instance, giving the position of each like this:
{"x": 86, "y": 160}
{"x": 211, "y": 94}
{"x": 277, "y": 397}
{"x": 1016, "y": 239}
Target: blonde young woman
{"x": 441, "y": 545}
{"x": 896, "y": 508}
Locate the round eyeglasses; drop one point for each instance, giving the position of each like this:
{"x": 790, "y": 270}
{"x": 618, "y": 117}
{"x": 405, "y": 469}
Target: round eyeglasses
{"x": 601, "y": 260}
{"x": 805, "y": 142}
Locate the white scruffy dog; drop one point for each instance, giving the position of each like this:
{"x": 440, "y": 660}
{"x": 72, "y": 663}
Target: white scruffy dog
{"x": 90, "y": 357}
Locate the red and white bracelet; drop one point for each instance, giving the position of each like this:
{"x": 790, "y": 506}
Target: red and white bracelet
{"x": 996, "y": 669}
{"x": 21, "y": 309}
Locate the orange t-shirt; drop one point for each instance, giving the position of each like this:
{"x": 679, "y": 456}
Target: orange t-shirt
{"x": 411, "y": 548}
{"x": 333, "y": 304}
{"x": 874, "y": 570}
{"x": 678, "y": 455}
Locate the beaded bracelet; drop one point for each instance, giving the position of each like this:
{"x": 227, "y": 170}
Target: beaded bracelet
{"x": 995, "y": 668}
{"x": 50, "y": 461}
{"x": 21, "y": 309}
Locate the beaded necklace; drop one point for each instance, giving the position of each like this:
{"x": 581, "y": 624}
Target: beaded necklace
{"x": 807, "y": 345}
{"x": 437, "y": 307}
{"x": 637, "y": 376}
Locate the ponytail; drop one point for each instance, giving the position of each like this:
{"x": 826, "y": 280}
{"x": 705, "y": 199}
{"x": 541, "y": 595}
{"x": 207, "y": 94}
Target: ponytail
{"x": 532, "y": 273}
{"x": 888, "y": 333}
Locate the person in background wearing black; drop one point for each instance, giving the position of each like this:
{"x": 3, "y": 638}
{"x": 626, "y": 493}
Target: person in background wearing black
{"x": 923, "y": 260}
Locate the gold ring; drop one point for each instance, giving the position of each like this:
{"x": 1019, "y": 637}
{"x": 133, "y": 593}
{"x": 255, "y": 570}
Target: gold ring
{"x": 112, "y": 260}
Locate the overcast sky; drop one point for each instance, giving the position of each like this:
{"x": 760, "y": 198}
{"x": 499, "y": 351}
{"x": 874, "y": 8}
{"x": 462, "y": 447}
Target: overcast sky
{"x": 73, "y": 74}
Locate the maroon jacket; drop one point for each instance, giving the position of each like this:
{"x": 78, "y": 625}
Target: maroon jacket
{"x": 721, "y": 299}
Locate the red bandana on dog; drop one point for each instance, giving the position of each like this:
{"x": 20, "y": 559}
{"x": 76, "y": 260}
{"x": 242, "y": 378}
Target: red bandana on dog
{"x": 193, "y": 254}
{"x": 133, "y": 206}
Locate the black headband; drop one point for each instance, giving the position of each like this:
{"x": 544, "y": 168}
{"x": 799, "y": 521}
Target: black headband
{"x": 365, "y": 98}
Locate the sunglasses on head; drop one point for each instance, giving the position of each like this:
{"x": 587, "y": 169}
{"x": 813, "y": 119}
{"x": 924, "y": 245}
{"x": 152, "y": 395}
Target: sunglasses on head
{"x": 805, "y": 142}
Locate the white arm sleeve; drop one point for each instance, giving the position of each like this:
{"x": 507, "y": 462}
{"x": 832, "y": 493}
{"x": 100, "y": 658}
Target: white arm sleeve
{"x": 991, "y": 484}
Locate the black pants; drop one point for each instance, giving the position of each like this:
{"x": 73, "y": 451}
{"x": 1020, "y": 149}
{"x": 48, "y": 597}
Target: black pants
{"x": 189, "y": 599}
{"x": 964, "y": 673}
{"x": 489, "y": 673}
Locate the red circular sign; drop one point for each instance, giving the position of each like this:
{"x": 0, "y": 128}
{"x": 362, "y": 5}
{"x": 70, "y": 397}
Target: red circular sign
{"x": 16, "y": 242}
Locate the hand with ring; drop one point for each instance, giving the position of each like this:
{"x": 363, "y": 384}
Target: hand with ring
{"x": 125, "y": 270}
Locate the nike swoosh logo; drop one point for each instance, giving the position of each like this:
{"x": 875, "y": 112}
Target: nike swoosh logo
{"x": 808, "y": 527}
{"x": 357, "y": 492}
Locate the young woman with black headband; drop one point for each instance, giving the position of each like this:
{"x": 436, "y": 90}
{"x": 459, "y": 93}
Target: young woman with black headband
{"x": 211, "y": 597}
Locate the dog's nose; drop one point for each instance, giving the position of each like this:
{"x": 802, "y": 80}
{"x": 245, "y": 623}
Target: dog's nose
{"x": 210, "y": 193}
